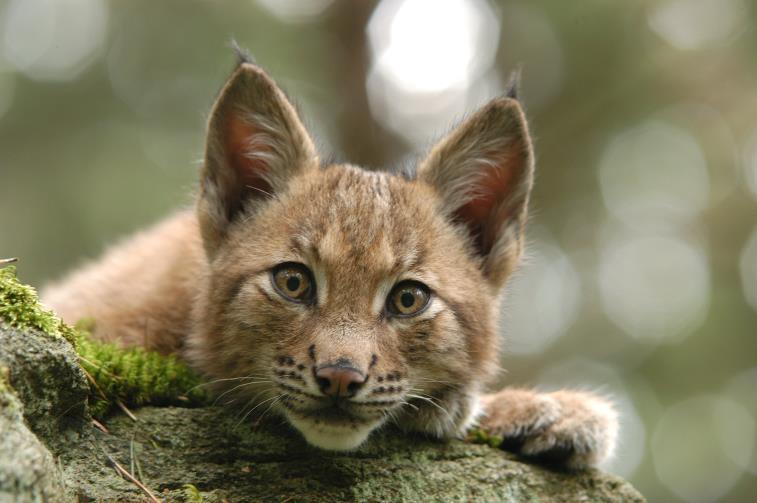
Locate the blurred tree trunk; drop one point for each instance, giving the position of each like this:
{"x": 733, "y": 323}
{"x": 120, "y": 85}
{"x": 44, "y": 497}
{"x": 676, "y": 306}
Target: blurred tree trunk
{"x": 363, "y": 140}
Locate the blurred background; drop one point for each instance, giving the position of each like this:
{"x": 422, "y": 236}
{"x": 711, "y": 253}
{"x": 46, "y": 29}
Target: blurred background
{"x": 641, "y": 280}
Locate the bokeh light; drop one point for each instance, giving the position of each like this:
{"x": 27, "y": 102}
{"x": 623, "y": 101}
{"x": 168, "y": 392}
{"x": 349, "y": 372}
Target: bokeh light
{"x": 656, "y": 288}
{"x": 748, "y": 269}
{"x": 750, "y": 164}
{"x": 713, "y": 132}
{"x": 700, "y": 446}
{"x": 54, "y": 39}
{"x": 295, "y": 11}
{"x": 654, "y": 175}
{"x": 425, "y": 56}
{"x": 424, "y": 47}
{"x": 742, "y": 388}
{"x": 543, "y": 298}
{"x": 695, "y": 24}
{"x": 640, "y": 280}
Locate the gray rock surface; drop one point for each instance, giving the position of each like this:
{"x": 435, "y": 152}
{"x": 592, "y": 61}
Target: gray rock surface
{"x": 169, "y": 448}
{"x": 27, "y": 470}
{"x": 44, "y": 372}
{"x": 227, "y": 461}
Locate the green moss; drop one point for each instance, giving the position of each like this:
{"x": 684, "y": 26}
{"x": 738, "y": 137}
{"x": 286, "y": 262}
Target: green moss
{"x": 192, "y": 494}
{"x": 20, "y": 308}
{"x": 130, "y": 376}
{"x": 135, "y": 377}
{"x": 479, "y": 436}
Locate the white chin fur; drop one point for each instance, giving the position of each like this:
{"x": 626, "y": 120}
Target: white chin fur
{"x": 331, "y": 438}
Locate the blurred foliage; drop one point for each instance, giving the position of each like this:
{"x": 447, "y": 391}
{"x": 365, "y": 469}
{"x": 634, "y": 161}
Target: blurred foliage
{"x": 88, "y": 159}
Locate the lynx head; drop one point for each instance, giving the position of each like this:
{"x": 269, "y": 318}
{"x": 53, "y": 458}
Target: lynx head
{"x": 340, "y": 297}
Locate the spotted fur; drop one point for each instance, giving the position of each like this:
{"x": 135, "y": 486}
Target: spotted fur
{"x": 200, "y": 283}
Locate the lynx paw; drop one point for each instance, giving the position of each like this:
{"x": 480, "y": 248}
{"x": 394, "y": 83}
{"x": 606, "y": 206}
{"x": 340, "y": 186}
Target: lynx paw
{"x": 569, "y": 428}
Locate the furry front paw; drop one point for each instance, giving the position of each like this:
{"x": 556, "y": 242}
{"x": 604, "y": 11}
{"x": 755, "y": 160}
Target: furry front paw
{"x": 569, "y": 428}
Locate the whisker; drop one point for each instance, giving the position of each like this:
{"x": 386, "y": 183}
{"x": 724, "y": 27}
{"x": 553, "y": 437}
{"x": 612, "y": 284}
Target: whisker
{"x": 403, "y": 402}
{"x": 260, "y": 418}
{"x": 251, "y": 401}
{"x": 215, "y": 381}
{"x": 392, "y": 415}
{"x": 432, "y": 402}
{"x": 258, "y": 405}
{"x": 237, "y": 387}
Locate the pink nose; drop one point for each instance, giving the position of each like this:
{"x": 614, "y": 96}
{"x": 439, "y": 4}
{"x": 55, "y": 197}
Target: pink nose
{"x": 339, "y": 382}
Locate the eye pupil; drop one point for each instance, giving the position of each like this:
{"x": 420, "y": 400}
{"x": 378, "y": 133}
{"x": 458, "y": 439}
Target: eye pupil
{"x": 407, "y": 299}
{"x": 293, "y": 283}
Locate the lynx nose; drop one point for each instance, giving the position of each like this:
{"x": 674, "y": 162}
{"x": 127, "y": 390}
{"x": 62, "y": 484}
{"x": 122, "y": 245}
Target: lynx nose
{"x": 339, "y": 381}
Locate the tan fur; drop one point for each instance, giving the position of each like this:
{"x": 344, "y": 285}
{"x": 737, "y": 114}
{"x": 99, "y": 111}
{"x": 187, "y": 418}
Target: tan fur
{"x": 575, "y": 428}
{"x": 200, "y": 283}
{"x": 140, "y": 291}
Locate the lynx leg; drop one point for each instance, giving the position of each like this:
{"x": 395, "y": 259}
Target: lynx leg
{"x": 570, "y": 428}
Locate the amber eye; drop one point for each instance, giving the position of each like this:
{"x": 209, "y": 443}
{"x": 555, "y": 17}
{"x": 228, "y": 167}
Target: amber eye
{"x": 294, "y": 282}
{"x": 408, "y": 298}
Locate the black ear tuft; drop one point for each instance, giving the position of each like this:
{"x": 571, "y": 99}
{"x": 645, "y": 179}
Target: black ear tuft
{"x": 512, "y": 89}
{"x": 243, "y": 55}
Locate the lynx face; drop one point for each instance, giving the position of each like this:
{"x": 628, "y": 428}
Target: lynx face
{"x": 342, "y": 298}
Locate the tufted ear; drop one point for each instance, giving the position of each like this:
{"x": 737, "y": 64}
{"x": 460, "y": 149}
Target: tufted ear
{"x": 483, "y": 171}
{"x": 255, "y": 144}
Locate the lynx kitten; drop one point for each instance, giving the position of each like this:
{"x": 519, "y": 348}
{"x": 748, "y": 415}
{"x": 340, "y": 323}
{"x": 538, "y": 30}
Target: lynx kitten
{"x": 342, "y": 298}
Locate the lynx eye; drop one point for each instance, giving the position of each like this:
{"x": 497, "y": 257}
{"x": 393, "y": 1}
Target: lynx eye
{"x": 294, "y": 282}
{"x": 408, "y": 298}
